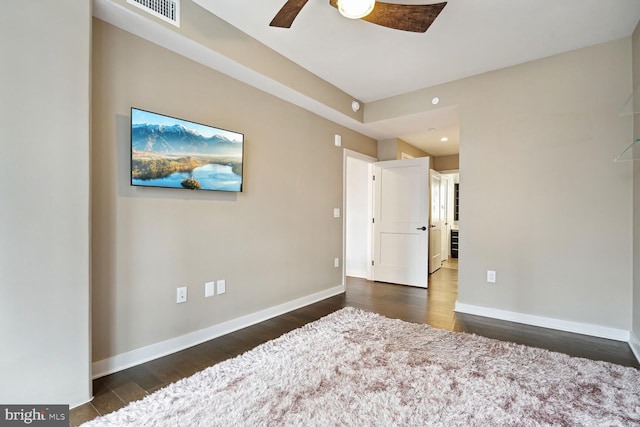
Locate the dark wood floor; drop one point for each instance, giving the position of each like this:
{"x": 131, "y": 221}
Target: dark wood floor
{"x": 433, "y": 306}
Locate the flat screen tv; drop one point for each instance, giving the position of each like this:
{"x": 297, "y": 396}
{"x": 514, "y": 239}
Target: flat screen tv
{"x": 176, "y": 153}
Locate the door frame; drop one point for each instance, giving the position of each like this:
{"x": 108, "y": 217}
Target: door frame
{"x": 345, "y": 175}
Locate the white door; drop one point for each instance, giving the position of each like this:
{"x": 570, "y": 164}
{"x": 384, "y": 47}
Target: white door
{"x": 401, "y": 215}
{"x": 444, "y": 214}
{"x": 435, "y": 223}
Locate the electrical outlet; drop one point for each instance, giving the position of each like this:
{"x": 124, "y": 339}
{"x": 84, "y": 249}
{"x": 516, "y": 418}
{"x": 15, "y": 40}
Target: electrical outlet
{"x": 336, "y": 212}
{"x": 181, "y": 295}
{"x": 491, "y": 276}
{"x": 336, "y": 262}
{"x": 209, "y": 289}
{"x": 222, "y": 286}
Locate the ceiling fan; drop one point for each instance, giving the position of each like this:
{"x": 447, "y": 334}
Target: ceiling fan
{"x": 406, "y": 17}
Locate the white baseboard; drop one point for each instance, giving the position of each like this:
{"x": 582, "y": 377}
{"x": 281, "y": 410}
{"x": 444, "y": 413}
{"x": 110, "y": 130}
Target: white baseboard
{"x": 634, "y": 343}
{"x": 74, "y": 405}
{"x": 144, "y": 354}
{"x": 545, "y": 322}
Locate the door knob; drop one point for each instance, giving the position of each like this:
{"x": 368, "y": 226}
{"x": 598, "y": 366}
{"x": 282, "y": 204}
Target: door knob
{"x": 423, "y": 228}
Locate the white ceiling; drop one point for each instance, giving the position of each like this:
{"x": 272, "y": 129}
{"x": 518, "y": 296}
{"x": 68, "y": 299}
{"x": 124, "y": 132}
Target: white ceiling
{"x": 469, "y": 37}
{"x": 370, "y": 62}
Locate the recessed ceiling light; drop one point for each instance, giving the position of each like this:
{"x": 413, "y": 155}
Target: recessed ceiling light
{"x": 435, "y": 101}
{"x": 444, "y": 139}
{"x": 431, "y": 129}
{"x": 355, "y": 106}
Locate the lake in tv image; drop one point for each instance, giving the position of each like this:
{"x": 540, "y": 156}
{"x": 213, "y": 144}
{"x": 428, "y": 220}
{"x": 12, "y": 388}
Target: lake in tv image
{"x": 175, "y": 153}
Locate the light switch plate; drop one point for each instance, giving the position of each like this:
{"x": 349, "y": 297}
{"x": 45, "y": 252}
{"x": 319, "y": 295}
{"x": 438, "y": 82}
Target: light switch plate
{"x": 491, "y": 276}
{"x": 222, "y": 286}
{"x": 336, "y": 212}
{"x": 209, "y": 289}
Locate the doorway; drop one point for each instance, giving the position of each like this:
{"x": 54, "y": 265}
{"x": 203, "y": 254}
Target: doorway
{"x": 449, "y": 212}
{"x": 358, "y": 211}
{"x": 358, "y": 214}
{"x": 358, "y": 217}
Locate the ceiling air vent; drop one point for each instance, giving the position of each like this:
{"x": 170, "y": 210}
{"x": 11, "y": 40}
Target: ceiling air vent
{"x": 167, "y": 10}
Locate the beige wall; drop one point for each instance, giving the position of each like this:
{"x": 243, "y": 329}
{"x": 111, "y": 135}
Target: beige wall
{"x": 406, "y": 148}
{"x": 201, "y": 26}
{"x": 636, "y": 198}
{"x": 273, "y": 243}
{"x": 44, "y": 202}
{"x": 394, "y": 148}
{"x": 446, "y": 163}
{"x": 542, "y": 201}
{"x": 388, "y": 149}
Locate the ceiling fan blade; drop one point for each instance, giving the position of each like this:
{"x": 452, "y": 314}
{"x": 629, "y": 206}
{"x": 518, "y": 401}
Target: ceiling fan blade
{"x": 407, "y": 17}
{"x": 284, "y": 18}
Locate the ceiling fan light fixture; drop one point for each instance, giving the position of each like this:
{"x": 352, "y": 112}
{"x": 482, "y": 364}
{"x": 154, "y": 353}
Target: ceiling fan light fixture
{"x": 355, "y": 9}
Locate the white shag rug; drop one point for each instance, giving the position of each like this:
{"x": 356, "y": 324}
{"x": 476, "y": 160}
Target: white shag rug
{"x": 354, "y": 368}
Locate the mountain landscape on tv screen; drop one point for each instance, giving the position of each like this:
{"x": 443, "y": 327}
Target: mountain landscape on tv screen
{"x": 178, "y": 139}
{"x": 178, "y": 157}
